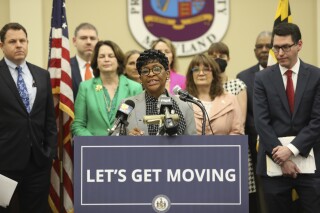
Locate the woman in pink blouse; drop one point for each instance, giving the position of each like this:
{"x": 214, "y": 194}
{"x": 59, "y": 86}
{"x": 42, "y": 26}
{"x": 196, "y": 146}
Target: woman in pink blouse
{"x": 166, "y": 46}
{"x": 204, "y": 82}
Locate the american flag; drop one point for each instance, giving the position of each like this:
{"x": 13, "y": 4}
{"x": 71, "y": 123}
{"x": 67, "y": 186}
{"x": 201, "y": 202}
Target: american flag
{"x": 61, "y": 188}
{"x": 283, "y": 14}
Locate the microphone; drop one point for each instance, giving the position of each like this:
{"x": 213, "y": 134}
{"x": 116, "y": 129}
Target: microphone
{"x": 170, "y": 126}
{"x": 122, "y": 114}
{"x": 183, "y": 95}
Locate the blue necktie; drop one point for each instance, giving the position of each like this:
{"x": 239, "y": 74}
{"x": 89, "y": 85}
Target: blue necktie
{"x": 22, "y": 88}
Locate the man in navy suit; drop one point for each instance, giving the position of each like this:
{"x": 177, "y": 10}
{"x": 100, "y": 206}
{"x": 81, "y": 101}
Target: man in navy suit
{"x": 286, "y": 102}
{"x": 85, "y": 39}
{"x": 261, "y": 51}
{"x": 28, "y": 132}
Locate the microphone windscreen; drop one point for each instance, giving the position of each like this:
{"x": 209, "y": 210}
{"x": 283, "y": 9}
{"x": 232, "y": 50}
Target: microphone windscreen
{"x": 130, "y": 103}
{"x": 125, "y": 108}
{"x": 176, "y": 89}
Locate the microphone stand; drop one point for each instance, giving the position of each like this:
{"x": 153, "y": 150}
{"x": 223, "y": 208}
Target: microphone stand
{"x": 123, "y": 128}
{"x": 199, "y": 104}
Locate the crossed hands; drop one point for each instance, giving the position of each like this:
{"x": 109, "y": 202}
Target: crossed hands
{"x": 281, "y": 155}
{"x": 136, "y": 132}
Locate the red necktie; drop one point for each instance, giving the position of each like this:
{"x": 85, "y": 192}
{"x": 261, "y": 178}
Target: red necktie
{"x": 290, "y": 90}
{"x": 87, "y": 74}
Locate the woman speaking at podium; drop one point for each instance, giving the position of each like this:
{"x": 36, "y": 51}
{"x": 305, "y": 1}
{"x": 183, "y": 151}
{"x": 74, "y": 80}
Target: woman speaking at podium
{"x": 153, "y": 69}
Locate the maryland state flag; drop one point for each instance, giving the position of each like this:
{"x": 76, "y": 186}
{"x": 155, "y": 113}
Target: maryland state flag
{"x": 283, "y": 14}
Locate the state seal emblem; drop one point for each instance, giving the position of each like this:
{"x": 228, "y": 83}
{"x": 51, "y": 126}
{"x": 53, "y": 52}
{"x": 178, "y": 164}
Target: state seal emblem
{"x": 161, "y": 203}
{"x": 192, "y": 25}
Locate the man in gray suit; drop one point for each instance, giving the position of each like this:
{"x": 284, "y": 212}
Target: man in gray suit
{"x": 85, "y": 39}
{"x": 286, "y": 102}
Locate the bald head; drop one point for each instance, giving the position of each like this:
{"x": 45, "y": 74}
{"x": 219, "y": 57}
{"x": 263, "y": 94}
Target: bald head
{"x": 262, "y": 47}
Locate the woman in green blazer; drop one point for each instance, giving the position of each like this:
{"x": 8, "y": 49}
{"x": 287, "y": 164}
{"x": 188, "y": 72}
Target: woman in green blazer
{"x": 99, "y": 98}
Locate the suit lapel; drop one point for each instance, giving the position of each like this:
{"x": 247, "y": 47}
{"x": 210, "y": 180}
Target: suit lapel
{"x": 277, "y": 80}
{"x": 36, "y": 79}
{"x": 5, "y": 72}
{"x": 76, "y": 71}
{"x": 100, "y": 99}
{"x": 301, "y": 86}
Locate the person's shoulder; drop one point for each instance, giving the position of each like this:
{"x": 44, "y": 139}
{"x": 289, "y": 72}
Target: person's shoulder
{"x": 226, "y": 96}
{"x": 73, "y": 59}
{"x": 225, "y": 101}
{"x": 90, "y": 82}
{"x": 2, "y": 62}
{"x": 175, "y": 74}
{"x": 268, "y": 71}
{"x": 131, "y": 83}
{"x": 236, "y": 81}
{"x": 74, "y": 63}
{"x": 37, "y": 69}
{"x": 309, "y": 67}
{"x": 139, "y": 98}
{"x": 249, "y": 70}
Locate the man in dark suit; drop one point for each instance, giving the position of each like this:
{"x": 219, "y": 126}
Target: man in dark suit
{"x": 85, "y": 39}
{"x": 28, "y": 132}
{"x": 261, "y": 50}
{"x": 286, "y": 102}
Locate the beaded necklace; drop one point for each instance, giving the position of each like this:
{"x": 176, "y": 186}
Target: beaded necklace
{"x": 110, "y": 104}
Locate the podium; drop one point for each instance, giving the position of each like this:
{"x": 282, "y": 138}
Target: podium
{"x": 182, "y": 174}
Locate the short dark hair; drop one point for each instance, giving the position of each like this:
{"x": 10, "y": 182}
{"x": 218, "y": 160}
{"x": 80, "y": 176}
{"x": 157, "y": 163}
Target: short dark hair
{"x": 219, "y": 47}
{"x": 216, "y": 88}
{"x": 285, "y": 29}
{"x": 117, "y": 53}
{"x": 150, "y": 56}
{"x": 11, "y": 26}
{"x": 86, "y": 26}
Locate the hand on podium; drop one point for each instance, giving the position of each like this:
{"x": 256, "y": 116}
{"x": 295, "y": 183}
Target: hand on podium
{"x": 136, "y": 132}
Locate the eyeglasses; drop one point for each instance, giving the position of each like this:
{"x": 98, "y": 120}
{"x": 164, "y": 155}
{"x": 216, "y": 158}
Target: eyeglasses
{"x": 205, "y": 70}
{"x": 261, "y": 46}
{"x": 285, "y": 48}
{"x": 146, "y": 71}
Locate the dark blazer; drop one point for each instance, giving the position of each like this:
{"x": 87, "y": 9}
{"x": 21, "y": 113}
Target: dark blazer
{"x": 248, "y": 76}
{"x": 75, "y": 75}
{"x": 272, "y": 114}
{"x": 22, "y": 133}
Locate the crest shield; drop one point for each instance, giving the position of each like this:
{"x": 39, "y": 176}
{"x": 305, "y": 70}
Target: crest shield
{"x": 192, "y": 25}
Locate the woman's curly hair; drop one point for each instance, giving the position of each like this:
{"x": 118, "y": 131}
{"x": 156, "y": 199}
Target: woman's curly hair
{"x": 151, "y": 56}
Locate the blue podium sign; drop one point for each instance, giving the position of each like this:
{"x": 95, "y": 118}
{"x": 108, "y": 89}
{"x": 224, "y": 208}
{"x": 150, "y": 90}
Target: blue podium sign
{"x": 161, "y": 174}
